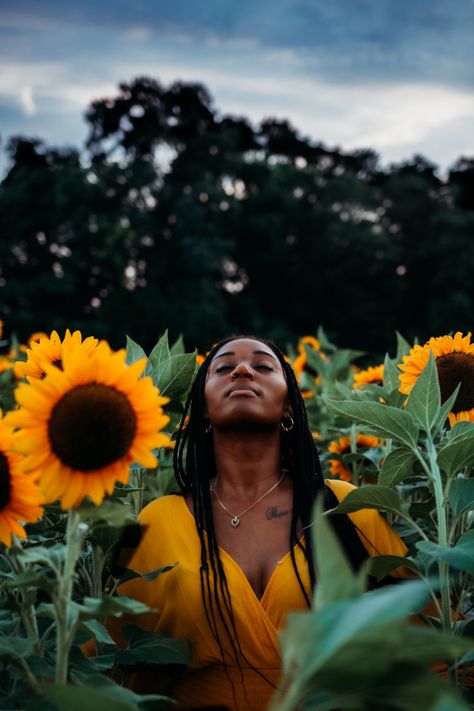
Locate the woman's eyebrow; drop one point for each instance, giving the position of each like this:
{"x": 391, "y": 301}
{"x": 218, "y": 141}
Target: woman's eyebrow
{"x": 228, "y": 353}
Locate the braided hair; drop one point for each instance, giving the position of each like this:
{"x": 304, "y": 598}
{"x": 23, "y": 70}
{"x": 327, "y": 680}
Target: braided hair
{"x": 195, "y": 467}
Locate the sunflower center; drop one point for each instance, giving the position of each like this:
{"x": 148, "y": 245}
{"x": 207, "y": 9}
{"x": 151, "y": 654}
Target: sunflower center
{"x": 455, "y": 368}
{"x": 5, "y": 486}
{"x": 91, "y": 427}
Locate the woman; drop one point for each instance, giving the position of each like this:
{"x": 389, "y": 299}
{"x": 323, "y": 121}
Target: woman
{"x": 249, "y": 474}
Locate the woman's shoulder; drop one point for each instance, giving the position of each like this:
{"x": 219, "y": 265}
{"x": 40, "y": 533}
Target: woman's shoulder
{"x": 171, "y": 505}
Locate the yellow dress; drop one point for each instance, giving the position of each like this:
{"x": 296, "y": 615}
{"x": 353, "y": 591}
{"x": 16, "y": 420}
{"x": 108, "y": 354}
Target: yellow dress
{"x": 171, "y": 537}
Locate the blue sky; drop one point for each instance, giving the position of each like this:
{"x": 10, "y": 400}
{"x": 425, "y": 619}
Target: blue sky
{"x": 394, "y": 75}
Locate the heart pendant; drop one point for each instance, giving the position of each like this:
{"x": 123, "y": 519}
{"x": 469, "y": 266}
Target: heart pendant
{"x": 235, "y": 521}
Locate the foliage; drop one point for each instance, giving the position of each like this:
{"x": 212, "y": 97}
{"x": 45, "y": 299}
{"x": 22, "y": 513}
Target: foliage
{"x": 177, "y": 215}
{"x": 59, "y": 586}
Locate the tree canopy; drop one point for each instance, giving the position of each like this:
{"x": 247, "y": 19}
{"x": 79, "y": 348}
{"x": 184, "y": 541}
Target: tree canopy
{"x": 176, "y": 216}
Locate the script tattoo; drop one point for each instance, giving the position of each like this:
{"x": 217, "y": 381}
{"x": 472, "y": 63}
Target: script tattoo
{"x": 273, "y": 512}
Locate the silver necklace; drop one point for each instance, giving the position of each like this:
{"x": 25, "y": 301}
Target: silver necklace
{"x": 235, "y": 520}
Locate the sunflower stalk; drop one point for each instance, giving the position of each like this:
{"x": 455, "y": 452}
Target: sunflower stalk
{"x": 65, "y": 625}
{"x": 27, "y": 612}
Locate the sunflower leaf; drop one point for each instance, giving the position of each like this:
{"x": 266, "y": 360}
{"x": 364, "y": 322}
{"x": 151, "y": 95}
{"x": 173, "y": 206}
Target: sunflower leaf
{"x": 161, "y": 352}
{"x": 396, "y": 466}
{"x": 99, "y": 694}
{"x": 403, "y": 347}
{"x": 425, "y": 398}
{"x": 134, "y": 351}
{"x": 391, "y": 375}
{"x": 445, "y": 409}
{"x": 382, "y": 565}
{"x": 107, "y": 606}
{"x": 460, "y": 556}
{"x": 382, "y": 420}
{"x": 151, "y": 647}
{"x": 16, "y": 647}
{"x": 174, "y": 376}
{"x": 371, "y": 496}
{"x": 461, "y": 496}
{"x": 178, "y": 346}
{"x": 336, "y": 581}
{"x": 457, "y": 454}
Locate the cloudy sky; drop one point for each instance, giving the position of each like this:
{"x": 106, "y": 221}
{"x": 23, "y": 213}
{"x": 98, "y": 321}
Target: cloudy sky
{"x": 394, "y": 75}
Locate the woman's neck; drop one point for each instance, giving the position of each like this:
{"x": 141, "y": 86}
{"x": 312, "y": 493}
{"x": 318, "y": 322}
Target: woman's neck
{"x": 247, "y": 464}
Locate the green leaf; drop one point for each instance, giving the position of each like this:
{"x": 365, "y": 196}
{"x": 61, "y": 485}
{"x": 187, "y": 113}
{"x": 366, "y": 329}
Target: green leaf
{"x": 15, "y": 647}
{"x": 336, "y": 581}
{"x": 151, "y": 647}
{"x": 383, "y": 420}
{"x": 445, "y": 409}
{"x": 131, "y": 574}
{"x": 178, "y": 346}
{"x": 460, "y": 430}
{"x": 397, "y": 465}
{"x": 425, "y": 398}
{"x": 461, "y": 495}
{"x": 109, "y": 607}
{"x": 403, "y": 347}
{"x": 106, "y": 697}
{"x": 371, "y": 496}
{"x": 382, "y": 565}
{"x": 134, "y": 351}
{"x": 460, "y": 556}
{"x": 391, "y": 375}
{"x": 450, "y": 702}
{"x": 457, "y": 454}
{"x": 161, "y": 352}
{"x": 114, "y": 513}
{"x": 175, "y": 375}
{"x": 52, "y": 556}
{"x": 98, "y": 631}
{"x": 324, "y": 341}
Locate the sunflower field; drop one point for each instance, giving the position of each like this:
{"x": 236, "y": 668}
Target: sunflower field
{"x": 86, "y": 441}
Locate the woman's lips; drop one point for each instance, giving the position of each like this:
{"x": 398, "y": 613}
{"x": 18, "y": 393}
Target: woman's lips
{"x": 242, "y": 390}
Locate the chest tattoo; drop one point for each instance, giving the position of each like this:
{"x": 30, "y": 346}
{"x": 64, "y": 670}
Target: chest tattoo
{"x": 273, "y": 512}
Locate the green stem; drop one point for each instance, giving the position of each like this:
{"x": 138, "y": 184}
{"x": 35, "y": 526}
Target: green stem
{"x": 442, "y": 534}
{"x": 62, "y": 600}
{"x": 27, "y": 612}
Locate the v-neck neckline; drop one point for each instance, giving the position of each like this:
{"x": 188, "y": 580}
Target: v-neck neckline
{"x": 239, "y": 567}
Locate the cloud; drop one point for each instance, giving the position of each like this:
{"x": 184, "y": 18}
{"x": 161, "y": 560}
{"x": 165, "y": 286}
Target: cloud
{"x": 27, "y": 101}
{"x": 343, "y": 76}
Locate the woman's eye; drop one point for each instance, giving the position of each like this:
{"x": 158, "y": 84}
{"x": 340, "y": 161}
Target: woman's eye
{"x": 223, "y": 368}
{"x": 262, "y": 366}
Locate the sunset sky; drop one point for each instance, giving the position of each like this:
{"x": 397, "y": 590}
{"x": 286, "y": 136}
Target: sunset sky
{"x": 394, "y": 75}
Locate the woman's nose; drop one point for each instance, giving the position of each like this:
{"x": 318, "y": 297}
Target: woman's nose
{"x": 242, "y": 370}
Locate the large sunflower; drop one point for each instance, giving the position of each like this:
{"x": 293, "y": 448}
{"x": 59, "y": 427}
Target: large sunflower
{"x": 44, "y": 351}
{"x": 342, "y": 446}
{"x": 373, "y": 374}
{"x": 20, "y": 496}
{"x": 81, "y": 427}
{"x": 455, "y": 364}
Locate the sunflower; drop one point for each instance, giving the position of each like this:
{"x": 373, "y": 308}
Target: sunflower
{"x": 342, "y": 445}
{"x": 20, "y": 496}
{"x": 81, "y": 427}
{"x": 36, "y": 337}
{"x": 49, "y": 350}
{"x": 373, "y": 374}
{"x": 300, "y": 364}
{"x": 454, "y": 357}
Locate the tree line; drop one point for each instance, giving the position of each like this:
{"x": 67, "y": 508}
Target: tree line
{"x": 176, "y": 216}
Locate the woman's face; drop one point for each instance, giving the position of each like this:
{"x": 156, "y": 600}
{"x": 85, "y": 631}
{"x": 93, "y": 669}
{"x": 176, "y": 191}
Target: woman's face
{"x": 245, "y": 386}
